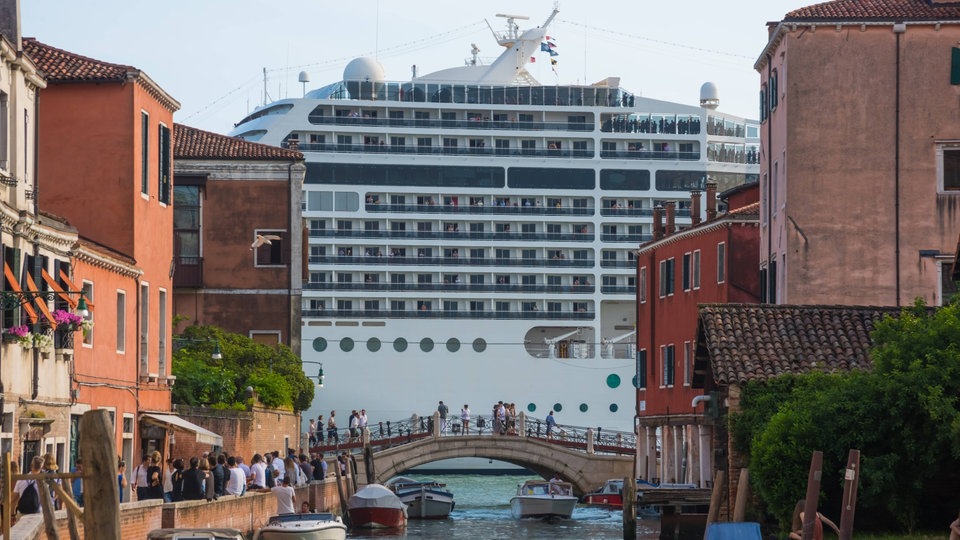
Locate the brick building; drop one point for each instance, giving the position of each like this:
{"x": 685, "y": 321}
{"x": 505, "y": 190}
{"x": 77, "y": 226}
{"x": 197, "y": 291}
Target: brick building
{"x": 711, "y": 261}
{"x": 860, "y": 160}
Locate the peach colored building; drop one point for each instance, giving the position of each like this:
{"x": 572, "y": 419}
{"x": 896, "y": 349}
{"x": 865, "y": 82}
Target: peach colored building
{"x": 228, "y": 191}
{"x": 860, "y": 163}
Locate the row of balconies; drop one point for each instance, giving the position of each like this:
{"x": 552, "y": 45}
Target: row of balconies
{"x": 555, "y": 262}
{"x": 468, "y": 235}
{"x": 532, "y": 210}
{"x": 446, "y": 314}
{"x": 468, "y": 287}
{"x": 381, "y": 147}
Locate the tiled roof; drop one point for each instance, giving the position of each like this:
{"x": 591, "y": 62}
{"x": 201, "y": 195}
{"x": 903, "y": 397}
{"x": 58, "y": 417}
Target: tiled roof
{"x": 755, "y": 342}
{"x": 750, "y": 211}
{"x": 58, "y": 65}
{"x": 876, "y": 10}
{"x": 193, "y": 143}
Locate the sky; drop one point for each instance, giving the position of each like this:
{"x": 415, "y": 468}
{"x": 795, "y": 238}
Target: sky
{"x": 210, "y": 55}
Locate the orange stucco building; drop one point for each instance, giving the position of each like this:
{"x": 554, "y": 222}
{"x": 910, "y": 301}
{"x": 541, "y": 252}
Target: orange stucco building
{"x": 105, "y": 147}
{"x": 860, "y": 164}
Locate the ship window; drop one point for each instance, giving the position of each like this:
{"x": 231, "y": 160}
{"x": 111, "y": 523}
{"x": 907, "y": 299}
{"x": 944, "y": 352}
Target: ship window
{"x": 477, "y": 253}
{"x": 581, "y": 254}
{"x": 398, "y": 278}
{"x": 529, "y": 255}
{"x": 400, "y": 344}
{"x": 680, "y": 180}
{"x": 407, "y": 175}
{"x": 451, "y": 305}
{"x": 424, "y": 142}
{"x": 398, "y": 226}
{"x": 554, "y": 307}
{"x": 347, "y": 202}
{"x": 528, "y": 228}
{"x": 424, "y": 226}
{"x": 398, "y": 305}
{"x": 528, "y": 280}
{"x": 398, "y": 141}
{"x": 625, "y": 179}
{"x": 476, "y": 305}
{"x": 547, "y": 178}
{"x": 344, "y": 225}
{"x": 371, "y": 305}
{"x": 344, "y": 305}
{"x": 476, "y": 227}
{"x": 503, "y": 306}
{"x": 476, "y": 279}
{"x": 553, "y": 280}
{"x": 319, "y": 201}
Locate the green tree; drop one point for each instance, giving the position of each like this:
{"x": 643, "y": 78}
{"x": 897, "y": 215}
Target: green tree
{"x": 275, "y": 373}
{"x": 902, "y": 415}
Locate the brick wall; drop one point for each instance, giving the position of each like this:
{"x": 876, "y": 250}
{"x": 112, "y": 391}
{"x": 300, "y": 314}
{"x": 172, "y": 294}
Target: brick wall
{"x": 244, "y": 433}
{"x": 246, "y": 513}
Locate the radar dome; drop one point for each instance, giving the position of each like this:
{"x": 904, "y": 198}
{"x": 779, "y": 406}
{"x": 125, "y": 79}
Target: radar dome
{"x": 709, "y": 96}
{"x": 364, "y": 69}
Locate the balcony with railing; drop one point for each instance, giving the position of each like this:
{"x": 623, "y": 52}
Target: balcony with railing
{"x": 436, "y": 123}
{"x": 447, "y": 314}
{"x": 618, "y": 289}
{"x": 452, "y": 261}
{"x": 450, "y": 287}
{"x": 649, "y": 154}
{"x": 680, "y": 212}
{"x": 441, "y": 150}
{"x": 455, "y": 235}
{"x": 188, "y": 272}
{"x": 478, "y": 209}
{"x": 618, "y": 264}
{"x": 637, "y": 237}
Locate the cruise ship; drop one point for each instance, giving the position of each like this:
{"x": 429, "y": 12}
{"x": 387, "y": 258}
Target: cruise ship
{"x": 471, "y": 231}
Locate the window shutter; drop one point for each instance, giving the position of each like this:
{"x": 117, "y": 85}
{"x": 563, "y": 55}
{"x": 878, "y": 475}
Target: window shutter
{"x": 955, "y": 66}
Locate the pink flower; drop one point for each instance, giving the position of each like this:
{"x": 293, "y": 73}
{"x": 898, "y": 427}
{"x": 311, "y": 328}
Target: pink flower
{"x": 61, "y": 316}
{"x": 19, "y": 331}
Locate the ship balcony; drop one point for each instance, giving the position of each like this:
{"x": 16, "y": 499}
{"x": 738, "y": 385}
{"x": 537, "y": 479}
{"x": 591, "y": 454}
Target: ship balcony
{"x": 606, "y": 237}
{"x": 443, "y": 150}
{"x": 680, "y": 212}
{"x": 649, "y": 154}
{"x": 618, "y": 289}
{"x": 477, "y": 209}
{"x": 188, "y": 272}
{"x": 447, "y": 314}
{"x": 451, "y": 287}
{"x": 435, "y": 123}
{"x": 455, "y": 235}
{"x": 618, "y": 264}
{"x": 452, "y": 261}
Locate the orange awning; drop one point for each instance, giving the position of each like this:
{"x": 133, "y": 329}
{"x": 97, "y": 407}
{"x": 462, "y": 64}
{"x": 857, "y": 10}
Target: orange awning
{"x": 66, "y": 279}
{"x": 41, "y": 302}
{"x": 15, "y": 285}
{"x": 56, "y": 287}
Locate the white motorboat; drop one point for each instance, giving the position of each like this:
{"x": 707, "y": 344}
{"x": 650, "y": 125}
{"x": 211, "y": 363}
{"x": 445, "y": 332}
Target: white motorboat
{"x": 542, "y": 499}
{"x": 425, "y": 499}
{"x": 312, "y": 526}
{"x": 195, "y": 534}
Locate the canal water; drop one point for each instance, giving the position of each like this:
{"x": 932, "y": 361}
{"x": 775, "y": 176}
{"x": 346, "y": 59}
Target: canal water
{"x": 482, "y": 511}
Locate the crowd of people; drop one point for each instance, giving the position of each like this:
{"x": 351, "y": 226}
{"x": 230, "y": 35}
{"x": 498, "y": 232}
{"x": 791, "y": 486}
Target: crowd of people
{"x": 320, "y": 432}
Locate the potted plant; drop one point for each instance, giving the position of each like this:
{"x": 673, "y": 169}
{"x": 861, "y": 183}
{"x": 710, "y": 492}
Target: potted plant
{"x": 66, "y": 320}
{"x": 14, "y": 333}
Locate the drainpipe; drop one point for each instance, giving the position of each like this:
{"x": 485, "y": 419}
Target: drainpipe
{"x": 698, "y": 399}
{"x": 35, "y": 392}
{"x": 898, "y": 29}
{"x": 770, "y": 181}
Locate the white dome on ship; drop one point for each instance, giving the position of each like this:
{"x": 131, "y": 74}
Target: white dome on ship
{"x": 709, "y": 96}
{"x": 364, "y": 69}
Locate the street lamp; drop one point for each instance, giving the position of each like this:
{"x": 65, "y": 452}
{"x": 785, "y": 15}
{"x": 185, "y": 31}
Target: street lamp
{"x": 319, "y": 373}
{"x": 217, "y": 353}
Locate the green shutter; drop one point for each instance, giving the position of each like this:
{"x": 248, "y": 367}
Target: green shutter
{"x": 955, "y": 66}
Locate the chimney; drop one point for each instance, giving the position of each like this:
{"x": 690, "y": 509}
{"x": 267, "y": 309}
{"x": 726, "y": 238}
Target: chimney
{"x": 695, "y": 207}
{"x": 711, "y": 200}
{"x": 10, "y": 22}
{"x": 657, "y": 222}
{"x": 671, "y": 217}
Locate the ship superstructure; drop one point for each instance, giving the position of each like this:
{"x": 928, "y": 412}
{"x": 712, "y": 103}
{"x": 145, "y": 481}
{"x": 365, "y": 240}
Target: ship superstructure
{"x": 471, "y": 231}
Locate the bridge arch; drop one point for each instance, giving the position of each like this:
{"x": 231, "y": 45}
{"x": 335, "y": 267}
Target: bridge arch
{"x": 585, "y": 471}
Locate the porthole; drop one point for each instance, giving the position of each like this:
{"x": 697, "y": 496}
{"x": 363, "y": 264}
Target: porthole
{"x": 346, "y": 344}
{"x": 373, "y": 344}
{"x": 614, "y": 407}
{"x": 453, "y": 344}
{"x": 531, "y": 407}
{"x": 583, "y": 407}
{"x": 400, "y": 344}
{"x": 613, "y": 380}
{"x": 636, "y": 384}
{"x": 479, "y": 345}
{"x": 426, "y": 344}
{"x": 320, "y": 344}
{"x": 557, "y": 407}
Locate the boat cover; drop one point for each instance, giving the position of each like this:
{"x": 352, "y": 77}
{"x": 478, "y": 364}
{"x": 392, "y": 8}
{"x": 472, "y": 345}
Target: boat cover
{"x": 734, "y": 531}
{"x": 375, "y": 496}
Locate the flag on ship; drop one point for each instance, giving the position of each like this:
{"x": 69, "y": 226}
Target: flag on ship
{"x": 533, "y": 59}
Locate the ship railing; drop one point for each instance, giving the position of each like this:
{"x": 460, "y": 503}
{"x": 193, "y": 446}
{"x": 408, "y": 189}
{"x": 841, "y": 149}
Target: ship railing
{"x": 649, "y": 154}
{"x": 483, "y": 123}
{"x": 452, "y": 287}
{"x": 618, "y": 289}
{"x": 636, "y": 237}
{"x": 446, "y": 314}
{"x": 453, "y": 261}
{"x": 478, "y": 209}
{"x": 680, "y": 212}
{"x": 384, "y": 148}
{"x": 618, "y": 264}
{"x": 452, "y": 235}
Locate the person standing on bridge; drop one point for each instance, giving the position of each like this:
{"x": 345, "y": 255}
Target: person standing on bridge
{"x": 442, "y": 409}
{"x": 332, "y": 428}
{"x": 465, "y": 418}
{"x": 551, "y": 423}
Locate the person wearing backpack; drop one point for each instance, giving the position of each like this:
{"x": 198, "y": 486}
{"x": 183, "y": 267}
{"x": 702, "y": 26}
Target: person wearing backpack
{"x": 26, "y": 495}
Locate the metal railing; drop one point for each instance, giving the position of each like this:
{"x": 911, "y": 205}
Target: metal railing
{"x": 445, "y": 314}
{"x": 451, "y": 261}
{"x": 450, "y": 287}
{"x": 448, "y": 235}
{"x": 478, "y": 209}
{"x": 434, "y": 123}
{"x": 650, "y": 154}
{"x": 441, "y": 150}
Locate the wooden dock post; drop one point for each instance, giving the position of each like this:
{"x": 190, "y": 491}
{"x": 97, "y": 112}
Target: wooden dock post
{"x": 813, "y": 495}
{"x": 46, "y": 506}
{"x": 851, "y": 480}
{"x": 341, "y": 491}
{"x": 716, "y": 498}
{"x": 629, "y": 497}
{"x": 368, "y": 465}
{"x": 743, "y": 489}
{"x": 98, "y": 448}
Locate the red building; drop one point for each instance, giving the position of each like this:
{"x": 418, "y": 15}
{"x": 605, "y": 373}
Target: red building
{"x": 714, "y": 261}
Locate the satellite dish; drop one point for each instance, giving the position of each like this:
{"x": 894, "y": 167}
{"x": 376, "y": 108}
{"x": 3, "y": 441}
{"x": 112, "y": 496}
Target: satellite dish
{"x": 304, "y": 77}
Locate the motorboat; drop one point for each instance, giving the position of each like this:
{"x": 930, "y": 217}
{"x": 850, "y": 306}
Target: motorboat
{"x": 425, "y": 499}
{"x": 195, "y": 534}
{"x": 377, "y": 507}
{"x": 309, "y": 526}
{"x": 610, "y": 495}
{"x": 542, "y": 499}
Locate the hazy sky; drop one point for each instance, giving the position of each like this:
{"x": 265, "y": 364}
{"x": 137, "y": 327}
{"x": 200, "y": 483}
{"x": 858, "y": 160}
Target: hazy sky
{"x": 210, "y": 54}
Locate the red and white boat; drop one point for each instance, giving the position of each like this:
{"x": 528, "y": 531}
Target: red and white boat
{"x": 609, "y": 495}
{"x": 376, "y": 507}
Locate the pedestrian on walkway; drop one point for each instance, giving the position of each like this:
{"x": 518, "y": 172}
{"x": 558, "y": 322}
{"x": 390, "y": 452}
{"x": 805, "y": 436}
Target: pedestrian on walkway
{"x": 442, "y": 409}
{"x": 465, "y": 418}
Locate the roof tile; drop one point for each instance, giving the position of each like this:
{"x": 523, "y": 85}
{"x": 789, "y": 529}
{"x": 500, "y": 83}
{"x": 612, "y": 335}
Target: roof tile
{"x": 876, "y": 10}
{"x": 193, "y": 143}
{"x": 58, "y": 65}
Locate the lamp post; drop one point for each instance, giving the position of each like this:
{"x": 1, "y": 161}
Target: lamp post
{"x": 319, "y": 373}
{"x": 217, "y": 353}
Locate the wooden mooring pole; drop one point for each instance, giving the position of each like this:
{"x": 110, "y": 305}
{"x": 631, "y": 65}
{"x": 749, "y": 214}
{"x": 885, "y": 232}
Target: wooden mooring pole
{"x": 629, "y": 497}
{"x": 813, "y": 495}
{"x": 851, "y": 481}
{"x": 98, "y": 448}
